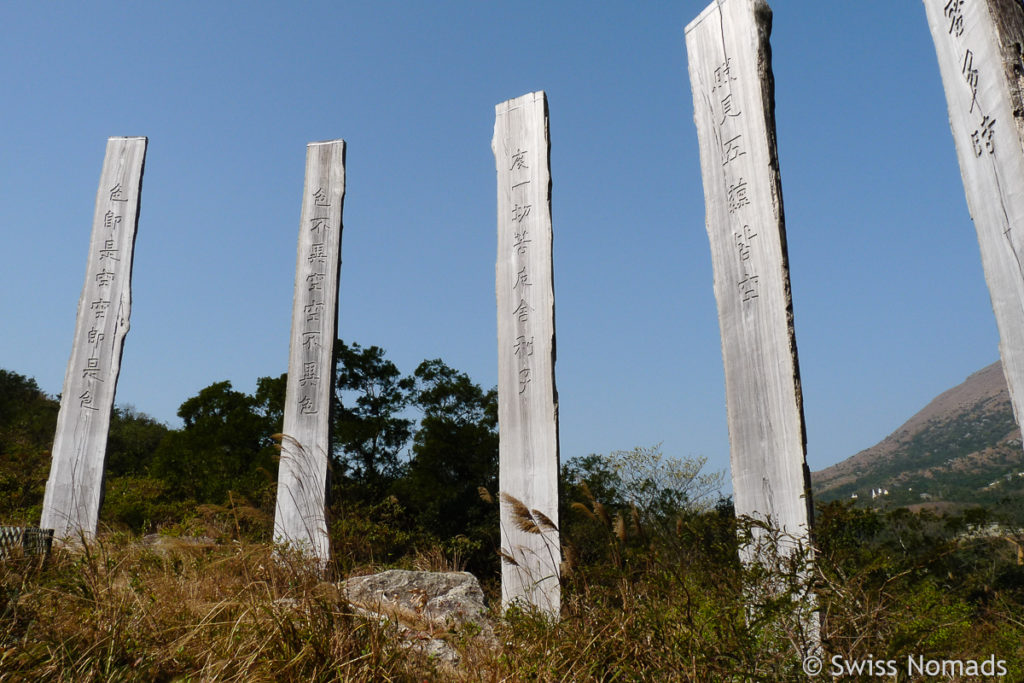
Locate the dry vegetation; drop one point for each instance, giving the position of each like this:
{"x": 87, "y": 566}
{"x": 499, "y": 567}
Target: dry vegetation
{"x": 641, "y": 602}
{"x": 652, "y": 586}
{"x": 119, "y": 610}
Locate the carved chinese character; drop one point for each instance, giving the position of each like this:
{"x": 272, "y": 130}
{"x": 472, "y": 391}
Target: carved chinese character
{"x": 319, "y": 226}
{"x": 99, "y": 309}
{"x": 522, "y": 311}
{"x": 95, "y": 336}
{"x": 317, "y": 254}
{"x": 523, "y": 346}
{"x": 748, "y": 286}
{"x": 727, "y": 109}
{"x": 520, "y": 241}
{"x": 981, "y": 139}
{"x": 315, "y": 281}
{"x": 320, "y": 197}
{"x": 731, "y": 150}
{"x": 524, "y": 379}
{"x": 522, "y": 279}
{"x": 313, "y": 311}
{"x": 117, "y": 194}
{"x": 111, "y": 220}
{"x": 519, "y": 212}
{"x": 743, "y": 242}
{"x": 104, "y": 278}
{"x": 723, "y": 74}
{"x": 310, "y": 373}
{"x": 310, "y": 340}
{"x": 971, "y": 76}
{"x": 109, "y": 251}
{"x": 738, "y": 196}
{"x": 518, "y": 160}
{"x": 954, "y": 11}
{"x": 86, "y": 400}
{"x": 307, "y": 406}
{"x": 92, "y": 369}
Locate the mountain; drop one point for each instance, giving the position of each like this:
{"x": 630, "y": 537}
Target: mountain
{"x": 963, "y": 448}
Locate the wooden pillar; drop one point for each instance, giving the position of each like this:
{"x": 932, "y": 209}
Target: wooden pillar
{"x": 527, "y": 398}
{"x": 74, "y": 490}
{"x": 733, "y": 100}
{"x": 978, "y": 45}
{"x": 300, "y": 519}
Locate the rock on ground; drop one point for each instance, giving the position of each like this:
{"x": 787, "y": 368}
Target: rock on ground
{"x": 424, "y": 605}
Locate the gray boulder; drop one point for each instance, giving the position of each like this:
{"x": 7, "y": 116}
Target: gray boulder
{"x": 426, "y": 606}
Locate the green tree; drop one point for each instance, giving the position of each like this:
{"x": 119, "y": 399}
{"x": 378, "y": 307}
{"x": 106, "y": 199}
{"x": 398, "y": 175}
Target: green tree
{"x": 454, "y": 453}
{"x": 658, "y": 487}
{"x": 224, "y": 446}
{"x": 27, "y": 415}
{"x": 28, "y": 418}
{"x": 131, "y": 442}
{"x": 269, "y": 399}
{"x": 16, "y": 391}
{"x": 131, "y": 496}
{"x": 633, "y": 507}
{"x": 369, "y": 431}
{"x": 661, "y": 486}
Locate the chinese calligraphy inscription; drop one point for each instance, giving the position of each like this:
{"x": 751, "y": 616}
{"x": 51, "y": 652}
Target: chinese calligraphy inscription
{"x": 527, "y": 400}
{"x": 75, "y": 485}
{"x": 729, "y": 76}
{"x": 977, "y": 46}
{"x": 300, "y": 517}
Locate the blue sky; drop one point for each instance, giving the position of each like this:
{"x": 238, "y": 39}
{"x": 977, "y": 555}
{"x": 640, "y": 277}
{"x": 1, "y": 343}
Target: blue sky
{"x": 890, "y": 302}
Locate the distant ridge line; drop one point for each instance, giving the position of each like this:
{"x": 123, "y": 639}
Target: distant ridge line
{"x": 984, "y": 390}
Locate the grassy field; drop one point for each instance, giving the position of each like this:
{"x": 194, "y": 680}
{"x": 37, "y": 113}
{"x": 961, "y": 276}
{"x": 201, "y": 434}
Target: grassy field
{"x": 638, "y": 604}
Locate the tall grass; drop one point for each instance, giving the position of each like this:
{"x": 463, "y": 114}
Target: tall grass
{"x": 117, "y": 610}
{"x": 642, "y": 599}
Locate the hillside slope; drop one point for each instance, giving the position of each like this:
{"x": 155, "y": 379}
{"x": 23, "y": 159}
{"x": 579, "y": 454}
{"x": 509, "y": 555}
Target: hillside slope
{"x": 964, "y": 447}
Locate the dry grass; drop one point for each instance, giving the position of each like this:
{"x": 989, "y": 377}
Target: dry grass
{"x": 121, "y": 611}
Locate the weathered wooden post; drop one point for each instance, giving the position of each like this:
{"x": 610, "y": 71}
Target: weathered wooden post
{"x": 527, "y": 398}
{"x": 733, "y": 101}
{"x": 74, "y": 490}
{"x": 978, "y": 45}
{"x": 300, "y": 519}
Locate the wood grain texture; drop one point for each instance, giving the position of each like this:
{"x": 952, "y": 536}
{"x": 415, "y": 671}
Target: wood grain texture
{"x": 300, "y": 519}
{"x": 527, "y": 397}
{"x": 733, "y": 96}
{"x": 978, "y": 46}
{"x": 75, "y": 487}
